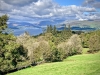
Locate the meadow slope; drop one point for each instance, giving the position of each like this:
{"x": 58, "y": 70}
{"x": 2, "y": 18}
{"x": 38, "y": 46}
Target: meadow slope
{"x": 85, "y": 64}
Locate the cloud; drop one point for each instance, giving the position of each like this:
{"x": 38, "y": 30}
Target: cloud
{"x": 15, "y": 24}
{"x": 92, "y": 3}
{"x": 47, "y": 9}
{"x": 96, "y": 4}
{"x": 19, "y": 2}
{"x": 4, "y": 6}
{"x": 89, "y": 1}
{"x": 39, "y": 10}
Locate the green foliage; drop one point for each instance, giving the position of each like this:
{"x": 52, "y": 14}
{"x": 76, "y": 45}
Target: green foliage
{"x": 3, "y": 22}
{"x": 94, "y": 43}
{"x": 84, "y": 39}
{"x": 39, "y": 52}
{"x": 47, "y": 56}
{"x": 53, "y": 54}
{"x": 66, "y": 33}
{"x": 10, "y": 52}
{"x": 91, "y": 40}
{"x": 49, "y": 29}
{"x": 57, "y": 36}
{"x": 74, "y": 45}
{"x": 71, "y": 47}
{"x": 56, "y": 55}
{"x": 54, "y": 30}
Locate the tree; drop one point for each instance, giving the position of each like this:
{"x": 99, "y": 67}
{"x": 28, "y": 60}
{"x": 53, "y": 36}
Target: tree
{"x": 85, "y": 39}
{"x": 94, "y": 43}
{"x": 74, "y": 45}
{"x": 69, "y": 31}
{"x": 71, "y": 47}
{"x": 3, "y": 22}
{"x": 62, "y": 47}
{"x": 49, "y": 29}
{"x": 11, "y": 53}
{"x": 54, "y": 30}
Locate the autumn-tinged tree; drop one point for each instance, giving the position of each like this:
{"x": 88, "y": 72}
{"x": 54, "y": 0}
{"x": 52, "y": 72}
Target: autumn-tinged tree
{"x": 71, "y": 47}
{"x": 94, "y": 43}
{"x": 74, "y": 45}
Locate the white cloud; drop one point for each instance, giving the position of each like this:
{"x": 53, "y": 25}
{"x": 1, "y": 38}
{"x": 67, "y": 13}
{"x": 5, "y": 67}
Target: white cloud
{"x": 82, "y": 19}
{"x": 19, "y": 2}
{"x": 5, "y": 7}
{"x": 15, "y": 24}
{"x": 96, "y": 4}
{"x": 39, "y": 10}
{"x": 92, "y": 3}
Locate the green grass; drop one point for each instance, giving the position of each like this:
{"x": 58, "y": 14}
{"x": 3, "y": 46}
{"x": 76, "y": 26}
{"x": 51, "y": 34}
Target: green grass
{"x": 85, "y": 50}
{"x": 85, "y": 64}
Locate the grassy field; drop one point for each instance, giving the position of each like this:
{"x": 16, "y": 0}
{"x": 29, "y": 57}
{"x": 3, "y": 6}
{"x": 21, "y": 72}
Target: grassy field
{"x": 85, "y": 50}
{"x": 85, "y": 64}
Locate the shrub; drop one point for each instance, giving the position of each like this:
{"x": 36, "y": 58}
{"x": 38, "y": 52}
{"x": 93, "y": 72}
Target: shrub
{"x": 53, "y": 54}
{"x": 62, "y": 47}
{"x": 10, "y": 52}
{"x": 71, "y": 47}
{"x": 74, "y": 45}
{"x": 94, "y": 43}
{"x": 56, "y": 55}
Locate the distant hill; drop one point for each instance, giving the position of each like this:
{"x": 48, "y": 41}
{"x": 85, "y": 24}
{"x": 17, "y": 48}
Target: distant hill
{"x": 82, "y": 25}
{"x": 91, "y": 24}
{"x": 35, "y": 29}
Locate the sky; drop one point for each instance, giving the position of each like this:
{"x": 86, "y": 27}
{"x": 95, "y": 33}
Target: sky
{"x": 37, "y": 11}
{"x": 69, "y": 2}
